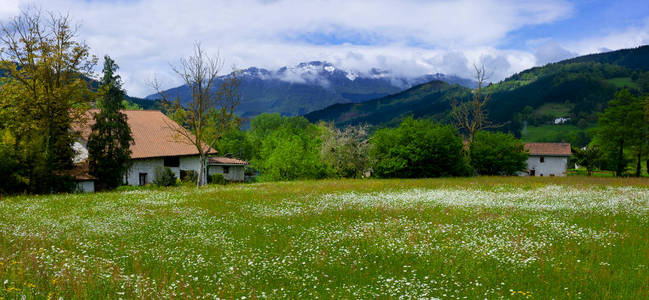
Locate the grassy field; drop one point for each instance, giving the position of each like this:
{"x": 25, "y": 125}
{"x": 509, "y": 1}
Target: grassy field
{"x": 550, "y": 133}
{"x": 488, "y": 237}
{"x": 621, "y": 82}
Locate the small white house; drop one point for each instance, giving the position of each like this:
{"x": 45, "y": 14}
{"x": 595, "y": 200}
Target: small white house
{"x": 85, "y": 182}
{"x": 156, "y": 144}
{"x": 547, "y": 159}
{"x": 232, "y": 169}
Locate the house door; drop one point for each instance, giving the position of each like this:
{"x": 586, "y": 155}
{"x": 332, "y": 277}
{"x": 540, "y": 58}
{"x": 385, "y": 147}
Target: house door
{"x": 143, "y": 179}
{"x": 532, "y": 172}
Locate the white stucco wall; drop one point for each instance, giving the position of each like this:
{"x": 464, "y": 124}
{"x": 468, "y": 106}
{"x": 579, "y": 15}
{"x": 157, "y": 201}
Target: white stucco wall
{"x": 149, "y": 165}
{"x": 236, "y": 172}
{"x": 87, "y": 186}
{"x": 552, "y": 165}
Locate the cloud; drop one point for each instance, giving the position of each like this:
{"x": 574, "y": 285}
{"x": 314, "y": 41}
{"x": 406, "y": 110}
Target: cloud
{"x": 629, "y": 37}
{"x": 408, "y": 37}
{"x": 9, "y": 8}
{"x": 550, "y": 52}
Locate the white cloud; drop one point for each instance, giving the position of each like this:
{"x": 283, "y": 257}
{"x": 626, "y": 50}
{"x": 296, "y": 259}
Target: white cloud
{"x": 630, "y": 37}
{"x": 550, "y": 51}
{"x": 409, "y": 37}
{"x": 9, "y": 8}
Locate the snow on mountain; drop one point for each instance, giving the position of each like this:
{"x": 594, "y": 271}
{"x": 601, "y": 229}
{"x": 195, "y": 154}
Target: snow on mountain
{"x": 323, "y": 73}
{"x": 309, "y": 86}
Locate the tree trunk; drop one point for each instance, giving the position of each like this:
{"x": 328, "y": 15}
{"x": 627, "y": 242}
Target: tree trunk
{"x": 638, "y": 167}
{"x": 619, "y": 170}
{"x": 199, "y": 180}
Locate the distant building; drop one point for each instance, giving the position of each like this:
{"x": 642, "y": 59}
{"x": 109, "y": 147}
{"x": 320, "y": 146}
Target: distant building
{"x": 156, "y": 144}
{"x": 547, "y": 159}
{"x": 558, "y": 121}
{"x": 232, "y": 169}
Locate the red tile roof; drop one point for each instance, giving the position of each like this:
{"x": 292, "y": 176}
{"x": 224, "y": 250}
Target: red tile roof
{"x": 80, "y": 172}
{"x": 220, "y": 160}
{"x": 549, "y": 149}
{"x": 154, "y": 134}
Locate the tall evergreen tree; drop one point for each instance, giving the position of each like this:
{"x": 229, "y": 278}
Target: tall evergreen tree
{"x": 110, "y": 140}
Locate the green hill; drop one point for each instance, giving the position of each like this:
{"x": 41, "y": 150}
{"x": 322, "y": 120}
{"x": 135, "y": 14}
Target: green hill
{"x": 577, "y": 89}
{"x": 429, "y": 100}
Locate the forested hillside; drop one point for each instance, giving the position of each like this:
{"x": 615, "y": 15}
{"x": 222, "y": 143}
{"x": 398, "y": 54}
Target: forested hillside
{"x": 429, "y": 100}
{"x": 301, "y": 89}
{"x": 574, "y": 90}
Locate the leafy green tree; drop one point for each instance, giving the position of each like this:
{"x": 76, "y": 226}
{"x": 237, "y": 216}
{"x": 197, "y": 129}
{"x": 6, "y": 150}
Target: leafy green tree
{"x": 622, "y": 125}
{"x": 236, "y": 142}
{"x": 109, "y": 143}
{"x": 496, "y": 153}
{"x": 47, "y": 90}
{"x": 288, "y": 148}
{"x": 589, "y": 157}
{"x": 418, "y": 148}
{"x": 346, "y": 151}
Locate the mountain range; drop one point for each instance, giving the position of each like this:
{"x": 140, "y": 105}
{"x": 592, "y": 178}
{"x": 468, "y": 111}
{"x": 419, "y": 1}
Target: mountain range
{"x": 310, "y": 86}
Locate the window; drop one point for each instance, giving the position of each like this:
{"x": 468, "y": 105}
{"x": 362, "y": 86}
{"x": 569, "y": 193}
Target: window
{"x": 226, "y": 169}
{"x": 143, "y": 179}
{"x": 542, "y": 159}
{"x": 172, "y": 162}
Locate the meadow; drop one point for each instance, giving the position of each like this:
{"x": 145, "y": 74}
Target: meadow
{"x": 464, "y": 238}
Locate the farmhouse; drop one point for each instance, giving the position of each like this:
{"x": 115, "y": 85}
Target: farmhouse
{"x": 547, "y": 159}
{"x": 156, "y": 144}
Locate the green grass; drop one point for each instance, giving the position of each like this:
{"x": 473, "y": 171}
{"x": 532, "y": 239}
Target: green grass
{"x": 620, "y": 82}
{"x": 556, "y": 110}
{"x": 550, "y": 133}
{"x": 487, "y": 237}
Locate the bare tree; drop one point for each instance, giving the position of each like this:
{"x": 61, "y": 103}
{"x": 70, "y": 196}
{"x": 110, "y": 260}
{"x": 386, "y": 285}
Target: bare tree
{"x": 471, "y": 116}
{"x": 211, "y": 110}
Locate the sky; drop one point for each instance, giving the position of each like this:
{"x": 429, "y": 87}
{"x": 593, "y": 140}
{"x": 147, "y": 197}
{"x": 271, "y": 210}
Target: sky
{"x": 407, "y": 37}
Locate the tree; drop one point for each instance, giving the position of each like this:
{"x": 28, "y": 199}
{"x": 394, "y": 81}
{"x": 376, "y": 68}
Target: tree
{"x": 109, "y": 143}
{"x": 289, "y": 148}
{"x": 346, "y": 151}
{"x": 496, "y": 153}
{"x": 418, "y": 148}
{"x": 47, "y": 89}
{"x": 621, "y": 125}
{"x": 471, "y": 116}
{"x": 590, "y": 157}
{"x": 210, "y": 113}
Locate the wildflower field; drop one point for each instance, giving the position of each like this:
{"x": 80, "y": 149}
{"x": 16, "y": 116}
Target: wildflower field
{"x": 487, "y": 237}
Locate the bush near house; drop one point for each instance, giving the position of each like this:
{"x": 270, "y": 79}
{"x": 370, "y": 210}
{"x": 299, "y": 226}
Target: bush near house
{"x": 496, "y": 153}
{"x": 217, "y": 179}
{"x": 164, "y": 177}
{"x": 418, "y": 148}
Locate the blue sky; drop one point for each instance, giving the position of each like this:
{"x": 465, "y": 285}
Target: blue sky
{"x": 408, "y": 37}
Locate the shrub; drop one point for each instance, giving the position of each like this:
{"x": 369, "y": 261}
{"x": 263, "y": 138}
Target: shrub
{"x": 164, "y": 177}
{"x": 496, "y": 153}
{"x": 346, "y": 151}
{"x": 191, "y": 176}
{"x": 217, "y": 179}
{"x": 418, "y": 148}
